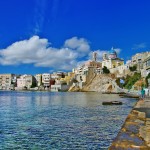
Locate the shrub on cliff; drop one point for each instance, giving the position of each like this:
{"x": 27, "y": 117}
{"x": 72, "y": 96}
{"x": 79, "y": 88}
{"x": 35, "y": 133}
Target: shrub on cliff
{"x": 106, "y": 70}
{"x": 133, "y": 68}
{"x": 130, "y": 80}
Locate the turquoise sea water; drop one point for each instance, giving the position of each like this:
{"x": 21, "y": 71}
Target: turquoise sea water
{"x": 46, "y": 120}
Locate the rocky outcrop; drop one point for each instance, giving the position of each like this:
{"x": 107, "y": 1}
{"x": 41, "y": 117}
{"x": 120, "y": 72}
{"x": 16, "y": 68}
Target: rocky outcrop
{"x": 102, "y": 83}
{"x": 74, "y": 88}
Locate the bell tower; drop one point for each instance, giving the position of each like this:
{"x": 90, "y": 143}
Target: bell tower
{"x": 94, "y": 56}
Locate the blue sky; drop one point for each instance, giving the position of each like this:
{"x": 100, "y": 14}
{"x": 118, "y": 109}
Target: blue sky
{"x": 39, "y": 36}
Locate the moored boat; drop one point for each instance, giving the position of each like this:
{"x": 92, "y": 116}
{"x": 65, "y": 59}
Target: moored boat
{"x": 112, "y": 103}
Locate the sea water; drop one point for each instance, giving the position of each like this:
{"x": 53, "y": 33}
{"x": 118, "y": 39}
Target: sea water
{"x": 61, "y": 120}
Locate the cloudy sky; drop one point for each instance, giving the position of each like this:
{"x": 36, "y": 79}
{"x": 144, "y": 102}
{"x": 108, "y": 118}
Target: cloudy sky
{"x": 38, "y": 36}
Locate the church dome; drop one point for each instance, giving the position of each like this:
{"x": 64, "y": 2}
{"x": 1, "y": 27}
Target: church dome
{"x": 112, "y": 54}
{"x": 112, "y": 51}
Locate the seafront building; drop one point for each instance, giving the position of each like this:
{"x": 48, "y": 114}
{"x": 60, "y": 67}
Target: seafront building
{"x": 25, "y": 82}
{"x": 7, "y": 81}
{"x": 68, "y": 78}
{"x": 46, "y": 80}
{"x": 59, "y": 87}
{"x": 61, "y": 81}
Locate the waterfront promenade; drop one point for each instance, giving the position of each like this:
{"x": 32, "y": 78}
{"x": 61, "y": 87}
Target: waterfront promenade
{"x": 135, "y": 133}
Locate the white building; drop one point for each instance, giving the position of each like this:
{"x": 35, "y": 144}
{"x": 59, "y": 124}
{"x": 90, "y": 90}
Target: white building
{"x": 6, "y": 81}
{"x": 25, "y": 81}
{"x": 146, "y": 67}
{"x": 59, "y": 87}
{"x": 139, "y": 58}
{"x": 46, "y": 80}
{"x": 58, "y": 75}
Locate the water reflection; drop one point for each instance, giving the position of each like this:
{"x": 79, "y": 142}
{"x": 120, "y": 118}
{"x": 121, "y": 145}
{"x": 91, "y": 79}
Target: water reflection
{"x": 44, "y": 120}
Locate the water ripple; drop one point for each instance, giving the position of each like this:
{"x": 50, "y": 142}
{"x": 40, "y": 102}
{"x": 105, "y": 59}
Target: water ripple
{"x": 44, "y": 120}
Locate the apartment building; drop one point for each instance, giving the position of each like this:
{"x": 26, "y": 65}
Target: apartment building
{"x": 146, "y": 67}
{"x": 6, "y": 81}
{"x": 46, "y": 80}
{"x": 138, "y": 59}
{"x": 26, "y": 81}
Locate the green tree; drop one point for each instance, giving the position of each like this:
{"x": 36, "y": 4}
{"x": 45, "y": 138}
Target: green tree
{"x": 106, "y": 70}
{"x": 133, "y": 68}
{"x": 33, "y": 85}
{"x": 130, "y": 80}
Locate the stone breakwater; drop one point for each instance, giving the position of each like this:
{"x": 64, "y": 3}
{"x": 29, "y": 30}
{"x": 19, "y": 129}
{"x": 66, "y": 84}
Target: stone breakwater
{"x": 135, "y": 133}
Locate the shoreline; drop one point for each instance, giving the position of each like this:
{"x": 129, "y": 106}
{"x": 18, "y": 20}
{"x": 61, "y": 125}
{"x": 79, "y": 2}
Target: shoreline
{"x": 135, "y": 132}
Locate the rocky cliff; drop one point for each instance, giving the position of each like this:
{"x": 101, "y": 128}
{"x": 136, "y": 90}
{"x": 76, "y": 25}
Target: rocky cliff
{"x": 100, "y": 83}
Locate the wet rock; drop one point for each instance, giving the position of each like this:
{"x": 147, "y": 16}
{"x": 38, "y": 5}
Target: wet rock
{"x": 135, "y": 133}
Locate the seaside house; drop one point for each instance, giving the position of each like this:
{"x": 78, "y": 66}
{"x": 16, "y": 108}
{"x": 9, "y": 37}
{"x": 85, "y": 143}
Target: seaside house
{"x": 60, "y": 81}
{"x": 138, "y": 60}
{"x": 46, "y": 80}
{"x": 59, "y": 87}
{"x": 7, "y": 81}
{"x": 25, "y": 82}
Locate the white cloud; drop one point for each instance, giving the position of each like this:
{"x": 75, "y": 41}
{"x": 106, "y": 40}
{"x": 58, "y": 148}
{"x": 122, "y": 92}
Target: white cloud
{"x": 38, "y": 52}
{"x": 139, "y": 46}
{"x": 81, "y": 45}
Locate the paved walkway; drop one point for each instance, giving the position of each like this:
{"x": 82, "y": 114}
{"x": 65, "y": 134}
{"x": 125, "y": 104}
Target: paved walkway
{"x": 144, "y": 106}
{"x": 135, "y": 133}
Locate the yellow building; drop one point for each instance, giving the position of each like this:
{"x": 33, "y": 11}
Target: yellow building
{"x": 67, "y": 78}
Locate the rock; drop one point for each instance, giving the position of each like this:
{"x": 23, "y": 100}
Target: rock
{"x": 102, "y": 83}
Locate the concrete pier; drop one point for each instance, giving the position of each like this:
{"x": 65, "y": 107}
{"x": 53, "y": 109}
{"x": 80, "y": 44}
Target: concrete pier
{"x": 135, "y": 133}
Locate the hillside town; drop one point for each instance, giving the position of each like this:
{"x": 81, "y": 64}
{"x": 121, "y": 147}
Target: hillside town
{"x": 109, "y": 70}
